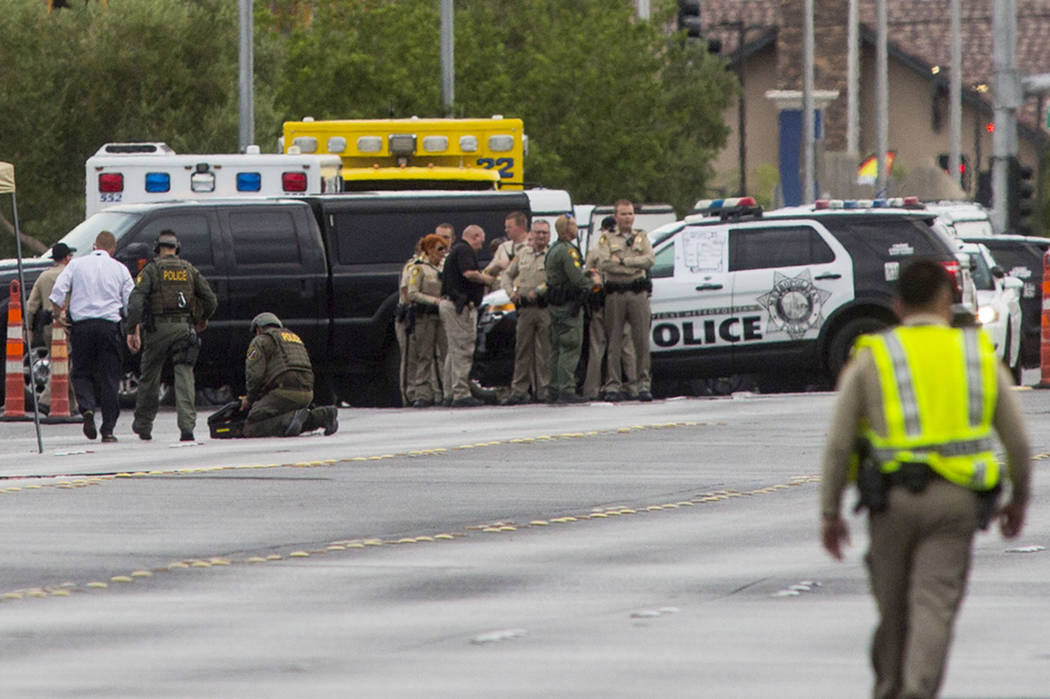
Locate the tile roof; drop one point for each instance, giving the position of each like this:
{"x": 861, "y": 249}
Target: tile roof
{"x": 918, "y": 28}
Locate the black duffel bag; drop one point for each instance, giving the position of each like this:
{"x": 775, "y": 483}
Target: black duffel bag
{"x": 228, "y": 421}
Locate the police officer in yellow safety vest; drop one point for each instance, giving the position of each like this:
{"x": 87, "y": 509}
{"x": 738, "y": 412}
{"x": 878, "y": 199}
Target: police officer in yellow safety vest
{"x": 913, "y": 426}
{"x": 170, "y": 304}
{"x": 280, "y": 384}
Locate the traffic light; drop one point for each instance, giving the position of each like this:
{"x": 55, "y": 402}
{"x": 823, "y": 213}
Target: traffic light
{"x": 1020, "y": 192}
{"x": 689, "y": 18}
{"x": 964, "y": 169}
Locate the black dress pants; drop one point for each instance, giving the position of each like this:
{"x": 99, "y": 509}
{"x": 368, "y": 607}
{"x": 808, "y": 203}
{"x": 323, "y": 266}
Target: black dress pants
{"x": 97, "y": 368}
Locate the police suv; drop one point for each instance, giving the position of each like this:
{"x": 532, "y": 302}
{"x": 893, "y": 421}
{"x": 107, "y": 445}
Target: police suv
{"x": 782, "y": 293}
{"x": 738, "y": 290}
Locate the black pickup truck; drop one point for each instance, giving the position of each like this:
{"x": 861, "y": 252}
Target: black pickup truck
{"x": 328, "y": 266}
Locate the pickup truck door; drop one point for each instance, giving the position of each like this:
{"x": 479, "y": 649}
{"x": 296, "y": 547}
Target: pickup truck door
{"x": 199, "y": 243}
{"x": 276, "y": 264}
{"x": 691, "y": 302}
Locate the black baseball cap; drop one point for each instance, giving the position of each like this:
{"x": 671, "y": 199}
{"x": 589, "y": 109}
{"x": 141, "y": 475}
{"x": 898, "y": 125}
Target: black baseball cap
{"x": 60, "y": 251}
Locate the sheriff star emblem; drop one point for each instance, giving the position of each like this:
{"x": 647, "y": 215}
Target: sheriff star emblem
{"x": 794, "y": 304}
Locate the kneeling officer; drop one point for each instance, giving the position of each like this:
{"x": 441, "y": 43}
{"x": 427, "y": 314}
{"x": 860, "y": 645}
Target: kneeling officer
{"x": 171, "y": 302}
{"x": 280, "y": 384}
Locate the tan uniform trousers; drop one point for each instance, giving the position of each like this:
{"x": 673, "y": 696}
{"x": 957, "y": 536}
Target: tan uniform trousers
{"x": 461, "y": 330}
{"x": 918, "y": 562}
{"x": 423, "y": 363}
{"x": 633, "y": 308}
{"x": 597, "y": 343}
{"x": 532, "y": 353}
{"x": 437, "y": 381}
{"x": 403, "y": 371}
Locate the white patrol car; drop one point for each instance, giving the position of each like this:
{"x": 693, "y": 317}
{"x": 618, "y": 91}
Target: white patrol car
{"x": 998, "y": 304}
{"x": 738, "y": 290}
{"x": 782, "y": 293}
{"x": 147, "y": 173}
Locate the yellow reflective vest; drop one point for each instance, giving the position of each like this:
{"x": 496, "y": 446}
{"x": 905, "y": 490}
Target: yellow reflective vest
{"x": 938, "y": 395}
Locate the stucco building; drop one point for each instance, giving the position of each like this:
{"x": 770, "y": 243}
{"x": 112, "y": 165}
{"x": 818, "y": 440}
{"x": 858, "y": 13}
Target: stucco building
{"x": 762, "y": 39}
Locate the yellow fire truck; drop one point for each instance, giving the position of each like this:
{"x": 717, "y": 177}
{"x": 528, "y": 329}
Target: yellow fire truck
{"x": 385, "y": 154}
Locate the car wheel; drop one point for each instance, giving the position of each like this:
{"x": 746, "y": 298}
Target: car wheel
{"x": 842, "y": 341}
{"x": 36, "y": 366}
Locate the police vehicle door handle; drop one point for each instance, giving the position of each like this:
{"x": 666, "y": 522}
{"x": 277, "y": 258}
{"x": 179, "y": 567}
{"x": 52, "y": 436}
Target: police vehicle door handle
{"x": 708, "y": 287}
{"x": 829, "y": 275}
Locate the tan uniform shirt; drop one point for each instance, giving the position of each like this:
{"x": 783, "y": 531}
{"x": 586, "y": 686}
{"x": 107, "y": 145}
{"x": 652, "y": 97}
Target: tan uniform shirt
{"x": 860, "y": 398}
{"x": 526, "y": 272}
{"x": 402, "y": 287}
{"x": 591, "y": 261}
{"x": 38, "y": 297}
{"x": 637, "y": 257}
{"x": 506, "y": 253}
{"x": 424, "y": 284}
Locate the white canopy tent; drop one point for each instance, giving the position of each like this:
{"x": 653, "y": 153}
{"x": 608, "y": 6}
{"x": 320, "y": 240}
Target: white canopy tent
{"x": 7, "y": 186}
{"x": 7, "y": 178}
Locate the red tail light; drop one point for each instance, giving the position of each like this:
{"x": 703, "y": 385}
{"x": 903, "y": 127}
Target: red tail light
{"x": 111, "y": 182}
{"x": 293, "y": 181}
{"x": 953, "y": 269}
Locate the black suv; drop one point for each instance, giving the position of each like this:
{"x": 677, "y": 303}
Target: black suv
{"x": 1022, "y": 257}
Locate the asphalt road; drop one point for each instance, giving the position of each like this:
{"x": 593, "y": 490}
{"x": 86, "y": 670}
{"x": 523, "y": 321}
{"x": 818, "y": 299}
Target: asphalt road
{"x": 636, "y": 550}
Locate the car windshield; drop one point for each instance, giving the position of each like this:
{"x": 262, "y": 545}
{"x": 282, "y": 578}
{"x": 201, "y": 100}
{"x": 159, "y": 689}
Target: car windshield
{"x": 83, "y": 236}
{"x": 976, "y": 227}
{"x": 664, "y": 232}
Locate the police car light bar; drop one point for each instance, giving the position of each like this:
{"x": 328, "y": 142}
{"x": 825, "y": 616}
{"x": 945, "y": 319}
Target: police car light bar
{"x": 856, "y": 204}
{"x": 734, "y": 207}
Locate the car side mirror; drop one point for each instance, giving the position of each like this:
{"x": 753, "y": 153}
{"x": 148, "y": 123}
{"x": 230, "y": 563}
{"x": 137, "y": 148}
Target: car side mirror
{"x": 998, "y": 272}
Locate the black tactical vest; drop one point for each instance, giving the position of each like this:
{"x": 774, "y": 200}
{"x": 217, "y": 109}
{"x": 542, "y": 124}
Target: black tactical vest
{"x": 291, "y": 355}
{"x": 173, "y": 293}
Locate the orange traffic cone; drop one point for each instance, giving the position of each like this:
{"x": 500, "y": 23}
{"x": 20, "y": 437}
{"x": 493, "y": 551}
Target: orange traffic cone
{"x": 14, "y": 385}
{"x": 1044, "y": 337}
{"x": 60, "y": 408}
{"x": 59, "y": 372}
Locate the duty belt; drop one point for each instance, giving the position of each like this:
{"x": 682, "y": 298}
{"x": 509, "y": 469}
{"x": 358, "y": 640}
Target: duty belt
{"x": 172, "y": 318}
{"x": 540, "y": 302}
{"x": 424, "y": 308}
{"x": 634, "y": 286}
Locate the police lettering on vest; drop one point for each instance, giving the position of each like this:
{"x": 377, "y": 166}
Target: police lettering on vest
{"x": 174, "y": 293}
{"x": 291, "y": 355}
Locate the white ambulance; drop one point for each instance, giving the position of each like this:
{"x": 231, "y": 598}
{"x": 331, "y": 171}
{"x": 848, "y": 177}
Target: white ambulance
{"x": 122, "y": 173}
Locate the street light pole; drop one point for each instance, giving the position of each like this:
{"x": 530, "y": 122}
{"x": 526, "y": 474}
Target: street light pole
{"x": 448, "y": 59}
{"x": 808, "y": 117}
{"x": 1007, "y": 100}
{"x": 246, "y": 97}
{"x": 955, "y": 96}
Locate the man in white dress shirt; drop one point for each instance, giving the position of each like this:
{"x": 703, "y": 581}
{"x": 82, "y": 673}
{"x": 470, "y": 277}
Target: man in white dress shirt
{"x": 98, "y": 288}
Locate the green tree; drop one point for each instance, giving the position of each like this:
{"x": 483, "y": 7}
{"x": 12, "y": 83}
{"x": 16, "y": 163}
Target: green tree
{"x": 612, "y": 106}
{"x": 140, "y": 70}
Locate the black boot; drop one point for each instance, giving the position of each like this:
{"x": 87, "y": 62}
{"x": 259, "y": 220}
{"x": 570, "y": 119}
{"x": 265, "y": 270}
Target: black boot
{"x": 299, "y": 418}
